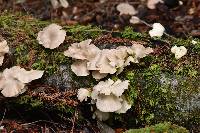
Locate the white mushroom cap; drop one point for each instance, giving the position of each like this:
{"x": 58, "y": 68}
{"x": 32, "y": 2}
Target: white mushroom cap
{"x": 119, "y": 87}
{"x": 151, "y": 4}
{"x": 129, "y": 60}
{"x": 79, "y": 67}
{"x": 12, "y": 87}
{"x": 98, "y": 76}
{"x": 64, "y": 3}
{"x": 125, "y": 106}
{"x": 55, "y": 3}
{"x": 104, "y": 87}
{"x": 104, "y": 63}
{"x": 3, "y": 50}
{"x": 158, "y": 30}
{"x": 83, "y": 50}
{"x": 83, "y": 94}
{"x": 139, "y": 51}
{"x": 179, "y": 51}
{"x": 134, "y": 20}
{"x": 93, "y": 62}
{"x": 102, "y": 116}
{"x": 51, "y": 36}
{"x": 108, "y": 103}
{"x": 125, "y": 8}
{"x": 12, "y": 81}
{"x": 117, "y": 56}
{"x": 109, "y": 86}
{"x": 22, "y": 75}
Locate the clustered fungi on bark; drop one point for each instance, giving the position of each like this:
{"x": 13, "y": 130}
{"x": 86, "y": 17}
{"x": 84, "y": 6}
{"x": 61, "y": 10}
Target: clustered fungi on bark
{"x": 108, "y": 95}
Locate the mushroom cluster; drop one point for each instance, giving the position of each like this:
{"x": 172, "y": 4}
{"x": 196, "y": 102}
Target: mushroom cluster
{"x": 108, "y": 97}
{"x": 13, "y": 81}
{"x": 88, "y": 58}
{"x": 3, "y": 50}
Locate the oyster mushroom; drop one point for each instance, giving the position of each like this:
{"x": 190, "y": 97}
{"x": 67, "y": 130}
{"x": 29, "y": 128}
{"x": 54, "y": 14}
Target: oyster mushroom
{"x": 83, "y": 94}
{"x": 125, "y": 106}
{"x": 108, "y": 103}
{"x": 151, "y": 4}
{"x": 138, "y": 51}
{"x": 158, "y": 30}
{"x": 79, "y": 67}
{"x": 179, "y": 51}
{"x": 3, "y": 50}
{"x": 13, "y": 80}
{"x": 56, "y": 4}
{"x": 51, "y": 36}
{"x": 125, "y": 8}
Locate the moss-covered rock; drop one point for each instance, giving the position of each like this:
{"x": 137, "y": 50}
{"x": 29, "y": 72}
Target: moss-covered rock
{"x": 161, "y": 87}
{"x": 160, "y": 128}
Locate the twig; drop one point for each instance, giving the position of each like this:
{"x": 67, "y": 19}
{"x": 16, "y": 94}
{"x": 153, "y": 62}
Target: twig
{"x": 31, "y": 123}
{"x": 3, "y": 117}
{"x": 74, "y": 120}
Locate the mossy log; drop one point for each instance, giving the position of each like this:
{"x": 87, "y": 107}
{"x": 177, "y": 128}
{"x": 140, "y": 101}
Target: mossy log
{"x": 162, "y": 88}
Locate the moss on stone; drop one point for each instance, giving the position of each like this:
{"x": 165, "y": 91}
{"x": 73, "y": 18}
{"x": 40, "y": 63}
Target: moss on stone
{"x": 160, "y": 85}
{"x": 160, "y": 128}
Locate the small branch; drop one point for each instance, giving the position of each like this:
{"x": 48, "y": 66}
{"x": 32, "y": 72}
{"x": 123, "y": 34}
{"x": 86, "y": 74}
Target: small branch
{"x": 3, "y": 117}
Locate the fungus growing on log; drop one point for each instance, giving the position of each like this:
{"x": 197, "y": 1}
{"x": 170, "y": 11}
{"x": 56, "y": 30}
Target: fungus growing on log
{"x": 13, "y": 80}
{"x": 3, "y": 50}
{"x": 51, "y": 36}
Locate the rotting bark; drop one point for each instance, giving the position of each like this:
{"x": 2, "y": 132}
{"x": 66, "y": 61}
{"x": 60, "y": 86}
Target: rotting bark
{"x": 161, "y": 87}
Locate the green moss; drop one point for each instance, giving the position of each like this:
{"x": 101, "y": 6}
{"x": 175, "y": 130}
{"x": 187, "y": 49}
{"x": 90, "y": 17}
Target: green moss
{"x": 80, "y": 32}
{"x": 130, "y": 34}
{"x": 160, "y": 128}
{"x": 28, "y": 102}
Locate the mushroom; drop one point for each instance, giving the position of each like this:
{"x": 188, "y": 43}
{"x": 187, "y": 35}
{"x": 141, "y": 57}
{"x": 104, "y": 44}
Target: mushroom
{"x": 83, "y": 50}
{"x": 64, "y": 3}
{"x": 97, "y": 75}
{"x": 151, "y": 4}
{"x": 108, "y": 103}
{"x": 119, "y": 87}
{"x": 125, "y": 8}
{"x": 107, "y": 94}
{"x": 51, "y": 36}
{"x": 157, "y": 30}
{"x": 125, "y": 106}
{"x": 134, "y": 20}
{"x": 179, "y": 51}
{"x": 3, "y": 50}
{"x": 79, "y": 67}
{"x": 104, "y": 64}
{"x": 56, "y": 4}
{"x": 83, "y": 94}
{"x": 13, "y": 80}
{"x": 88, "y": 57}
{"x": 139, "y": 51}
